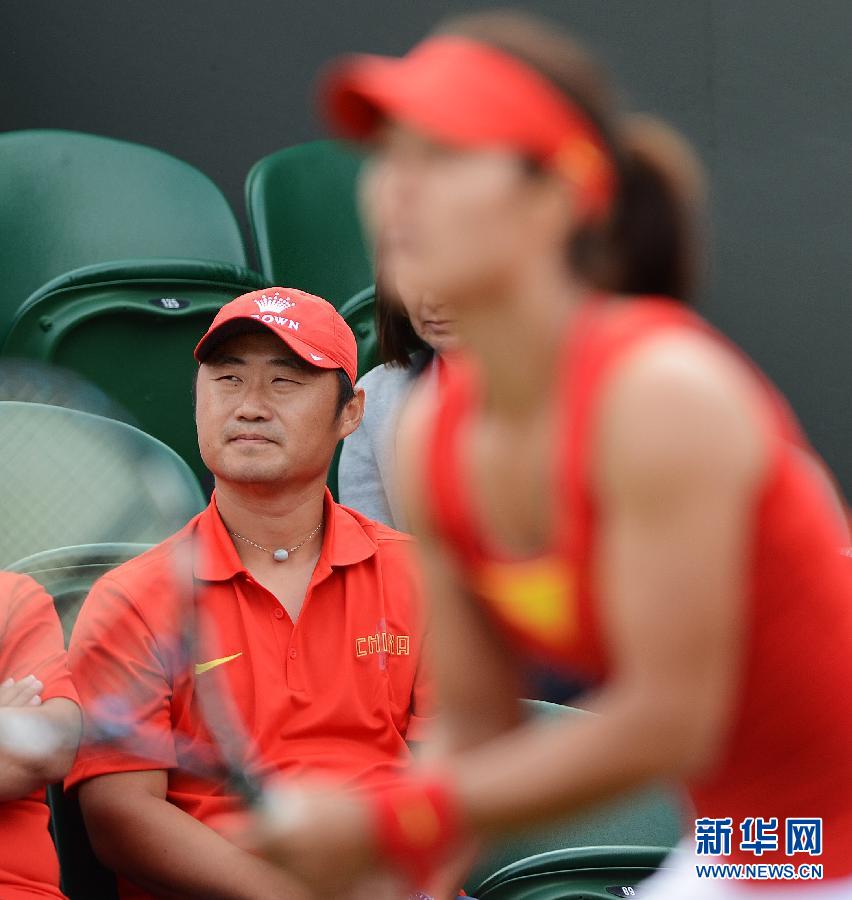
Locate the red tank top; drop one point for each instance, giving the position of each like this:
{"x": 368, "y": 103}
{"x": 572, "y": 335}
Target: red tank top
{"x": 789, "y": 750}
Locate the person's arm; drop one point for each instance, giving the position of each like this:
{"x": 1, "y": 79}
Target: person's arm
{"x": 40, "y": 720}
{"x": 137, "y": 832}
{"x": 421, "y": 720}
{"x": 37, "y": 744}
{"x": 476, "y": 682}
{"x": 428, "y": 741}
{"x": 359, "y": 477}
{"x": 123, "y": 657}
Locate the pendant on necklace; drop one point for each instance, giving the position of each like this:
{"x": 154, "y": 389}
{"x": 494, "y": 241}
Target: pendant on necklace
{"x": 280, "y": 555}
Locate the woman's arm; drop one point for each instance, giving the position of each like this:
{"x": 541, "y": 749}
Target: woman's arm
{"x": 476, "y": 679}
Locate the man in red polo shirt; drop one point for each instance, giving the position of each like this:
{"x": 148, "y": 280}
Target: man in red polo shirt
{"x": 311, "y": 615}
{"x": 39, "y": 730}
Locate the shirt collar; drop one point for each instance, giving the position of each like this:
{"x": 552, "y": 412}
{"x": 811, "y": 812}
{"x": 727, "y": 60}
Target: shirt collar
{"x": 344, "y": 543}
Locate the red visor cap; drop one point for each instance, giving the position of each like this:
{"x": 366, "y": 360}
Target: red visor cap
{"x": 468, "y": 94}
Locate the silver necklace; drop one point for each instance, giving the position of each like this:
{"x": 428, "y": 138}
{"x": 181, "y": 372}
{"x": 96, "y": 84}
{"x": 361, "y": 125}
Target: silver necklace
{"x": 279, "y": 555}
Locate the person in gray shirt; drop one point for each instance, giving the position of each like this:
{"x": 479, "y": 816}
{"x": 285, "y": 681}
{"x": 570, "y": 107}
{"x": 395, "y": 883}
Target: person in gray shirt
{"x": 414, "y": 328}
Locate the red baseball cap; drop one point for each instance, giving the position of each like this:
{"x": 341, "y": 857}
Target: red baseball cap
{"x": 310, "y": 326}
{"x": 471, "y": 95}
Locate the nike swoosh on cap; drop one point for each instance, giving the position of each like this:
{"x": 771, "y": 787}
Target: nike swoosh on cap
{"x": 201, "y": 668}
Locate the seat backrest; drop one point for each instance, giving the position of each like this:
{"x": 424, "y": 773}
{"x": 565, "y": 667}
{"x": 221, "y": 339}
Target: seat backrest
{"x": 304, "y": 220}
{"x": 589, "y": 873}
{"x": 82, "y": 876}
{"x": 71, "y": 199}
{"x": 130, "y": 328}
{"x": 68, "y": 573}
{"x": 359, "y": 312}
{"x": 650, "y": 817}
{"x": 69, "y": 477}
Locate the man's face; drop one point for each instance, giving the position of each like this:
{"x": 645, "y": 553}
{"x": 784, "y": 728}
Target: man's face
{"x": 266, "y": 416}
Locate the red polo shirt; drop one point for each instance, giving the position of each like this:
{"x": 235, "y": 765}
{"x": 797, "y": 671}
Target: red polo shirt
{"x": 30, "y": 644}
{"x": 336, "y": 693}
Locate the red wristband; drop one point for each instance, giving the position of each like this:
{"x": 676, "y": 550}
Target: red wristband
{"x": 417, "y": 826}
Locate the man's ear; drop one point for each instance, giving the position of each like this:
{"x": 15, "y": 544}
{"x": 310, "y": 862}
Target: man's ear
{"x": 352, "y": 414}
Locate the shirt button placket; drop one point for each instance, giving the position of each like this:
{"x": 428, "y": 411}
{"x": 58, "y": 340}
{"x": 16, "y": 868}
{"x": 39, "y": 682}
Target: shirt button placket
{"x": 294, "y": 670}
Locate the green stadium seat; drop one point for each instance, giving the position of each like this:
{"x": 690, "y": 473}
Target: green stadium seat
{"x": 586, "y": 873}
{"x": 82, "y": 875}
{"x": 129, "y": 327}
{"x": 71, "y": 478}
{"x": 649, "y": 820}
{"x": 72, "y": 200}
{"x": 360, "y": 315}
{"x": 67, "y": 574}
{"x": 304, "y": 220}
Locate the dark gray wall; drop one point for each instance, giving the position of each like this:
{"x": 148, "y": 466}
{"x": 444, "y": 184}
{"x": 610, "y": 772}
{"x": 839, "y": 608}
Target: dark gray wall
{"x": 763, "y": 88}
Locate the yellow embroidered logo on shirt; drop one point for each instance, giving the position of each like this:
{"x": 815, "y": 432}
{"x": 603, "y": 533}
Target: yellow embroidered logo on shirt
{"x": 537, "y": 596}
{"x": 383, "y": 642}
{"x": 201, "y": 668}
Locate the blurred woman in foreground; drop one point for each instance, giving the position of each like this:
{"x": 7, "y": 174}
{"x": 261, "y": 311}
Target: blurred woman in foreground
{"x": 603, "y": 482}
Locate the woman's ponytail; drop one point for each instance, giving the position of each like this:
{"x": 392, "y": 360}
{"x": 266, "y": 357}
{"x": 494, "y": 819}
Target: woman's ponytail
{"x": 655, "y": 233}
{"x": 652, "y": 243}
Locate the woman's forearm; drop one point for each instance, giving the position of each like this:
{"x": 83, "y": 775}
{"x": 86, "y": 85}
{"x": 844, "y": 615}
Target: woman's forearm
{"x": 544, "y": 770}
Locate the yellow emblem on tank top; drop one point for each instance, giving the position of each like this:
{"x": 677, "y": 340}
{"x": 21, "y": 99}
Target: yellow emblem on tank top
{"x": 537, "y": 596}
